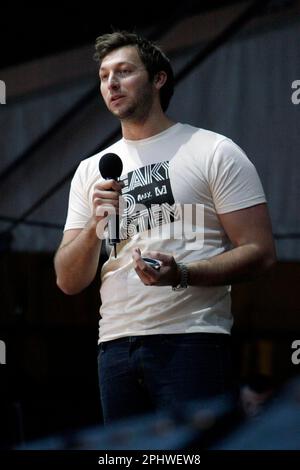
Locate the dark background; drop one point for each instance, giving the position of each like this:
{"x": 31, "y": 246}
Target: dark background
{"x": 32, "y": 32}
{"x": 49, "y": 384}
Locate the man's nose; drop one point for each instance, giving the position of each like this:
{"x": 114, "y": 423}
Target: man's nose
{"x": 113, "y": 82}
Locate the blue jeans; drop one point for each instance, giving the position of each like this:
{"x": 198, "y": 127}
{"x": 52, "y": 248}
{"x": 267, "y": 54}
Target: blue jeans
{"x": 141, "y": 374}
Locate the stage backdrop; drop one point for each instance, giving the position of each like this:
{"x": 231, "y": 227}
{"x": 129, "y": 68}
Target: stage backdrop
{"x": 243, "y": 90}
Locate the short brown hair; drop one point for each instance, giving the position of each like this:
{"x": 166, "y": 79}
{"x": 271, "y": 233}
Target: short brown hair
{"x": 150, "y": 54}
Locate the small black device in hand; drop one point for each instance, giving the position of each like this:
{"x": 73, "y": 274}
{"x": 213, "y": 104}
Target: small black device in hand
{"x": 154, "y": 263}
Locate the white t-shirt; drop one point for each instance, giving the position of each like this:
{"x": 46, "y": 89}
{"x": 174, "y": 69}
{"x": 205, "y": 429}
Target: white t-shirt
{"x": 180, "y": 170}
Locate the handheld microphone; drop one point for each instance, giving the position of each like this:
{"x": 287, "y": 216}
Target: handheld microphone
{"x": 111, "y": 167}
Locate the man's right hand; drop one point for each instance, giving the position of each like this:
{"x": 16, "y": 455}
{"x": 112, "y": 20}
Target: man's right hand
{"x": 106, "y": 199}
{"x": 76, "y": 260}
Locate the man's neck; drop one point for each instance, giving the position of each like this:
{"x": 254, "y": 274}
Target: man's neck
{"x": 148, "y": 128}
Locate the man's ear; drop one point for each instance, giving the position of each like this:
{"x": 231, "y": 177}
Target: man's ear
{"x": 160, "y": 79}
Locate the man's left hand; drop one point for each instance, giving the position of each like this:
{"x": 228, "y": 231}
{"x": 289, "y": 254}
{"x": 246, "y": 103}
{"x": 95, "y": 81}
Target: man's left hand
{"x": 167, "y": 275}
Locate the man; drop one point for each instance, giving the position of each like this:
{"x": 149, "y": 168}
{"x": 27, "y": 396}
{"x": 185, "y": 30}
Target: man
{"x": 164, "y": 334}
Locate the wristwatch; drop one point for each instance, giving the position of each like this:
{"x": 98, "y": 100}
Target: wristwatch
{"x": 183, "y": 283}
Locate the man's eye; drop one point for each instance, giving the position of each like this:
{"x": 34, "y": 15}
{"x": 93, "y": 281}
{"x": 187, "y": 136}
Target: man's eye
{"x": 103, "y": 78}
{"x": 124, "y": 72}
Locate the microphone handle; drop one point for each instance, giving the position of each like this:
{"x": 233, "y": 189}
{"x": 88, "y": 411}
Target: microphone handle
{"x": 113, "y": 228}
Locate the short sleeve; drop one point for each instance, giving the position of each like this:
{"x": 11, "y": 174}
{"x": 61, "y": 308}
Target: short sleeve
{"x": 233, "y": 179}
{"x": 79, "y": 211}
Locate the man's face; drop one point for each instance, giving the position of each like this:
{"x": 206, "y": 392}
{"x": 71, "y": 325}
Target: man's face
{"x": 125, "y": 85}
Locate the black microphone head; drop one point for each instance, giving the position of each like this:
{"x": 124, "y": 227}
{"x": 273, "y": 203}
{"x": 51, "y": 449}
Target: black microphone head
{"x": 110, "y": 166}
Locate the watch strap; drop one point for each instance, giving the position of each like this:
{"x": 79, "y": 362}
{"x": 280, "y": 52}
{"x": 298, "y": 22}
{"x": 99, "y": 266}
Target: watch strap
{"x": 183, "y": 283}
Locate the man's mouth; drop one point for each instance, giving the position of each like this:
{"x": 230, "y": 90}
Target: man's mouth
{"x": 116, "y": 98}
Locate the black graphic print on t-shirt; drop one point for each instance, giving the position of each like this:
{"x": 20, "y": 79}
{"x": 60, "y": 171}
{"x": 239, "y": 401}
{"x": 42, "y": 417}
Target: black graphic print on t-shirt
{"x": 148, "y": 199}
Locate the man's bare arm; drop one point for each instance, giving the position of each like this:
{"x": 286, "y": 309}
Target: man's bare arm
{"x": 76, "y": 260}
{"x": 250, "y": 232}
